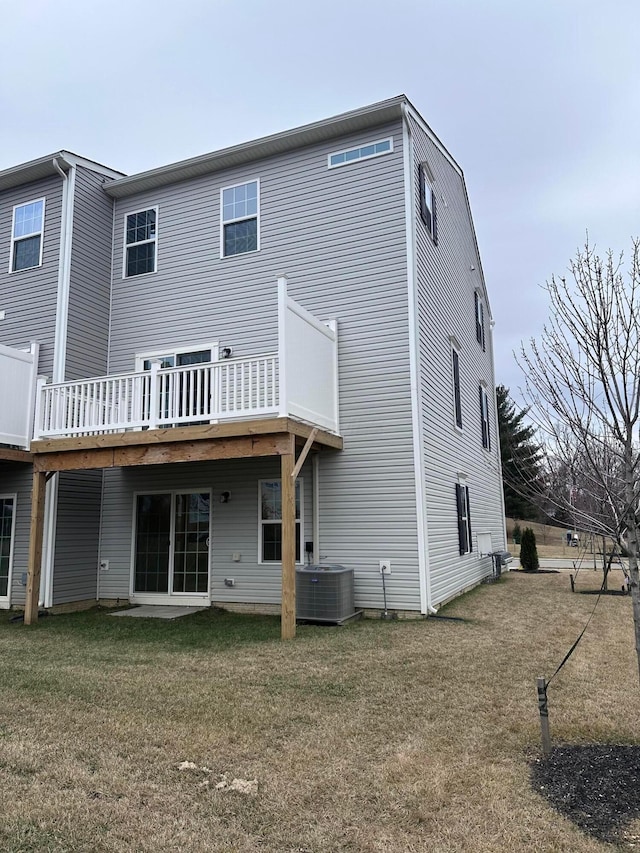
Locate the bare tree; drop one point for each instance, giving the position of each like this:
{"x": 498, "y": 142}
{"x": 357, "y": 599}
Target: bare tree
{"x": 583, "y": 390}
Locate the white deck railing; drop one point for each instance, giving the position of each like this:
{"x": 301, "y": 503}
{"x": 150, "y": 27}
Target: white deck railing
{"x": 160, "y": 398}
{"x": 300, "y": 380}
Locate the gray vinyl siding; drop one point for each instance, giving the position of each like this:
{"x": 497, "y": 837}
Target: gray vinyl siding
{"x": 90, "y": 279}
{"x": 77, "y": 536}
{"x": 29, "y": 296}
{"x": 15, "y": 478}
{"x": 235, "y": 525}
{"x": 447, "y": 275}
{"x": 339, "y": 235}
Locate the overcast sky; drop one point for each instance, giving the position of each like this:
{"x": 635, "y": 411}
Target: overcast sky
{"x": 538, "y": 100}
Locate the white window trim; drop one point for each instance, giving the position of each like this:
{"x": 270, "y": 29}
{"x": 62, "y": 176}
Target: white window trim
{"x": 224, "y": 222}
{"x": 141, "y": 357}
{"x": 15, "y": 240}
{"x": 126, "y": 245}
{"x": 182, "y": 598}
{"x": 262, "y": 522}
{"x": 331, "y": 165}
{"x": 5, "y": 601}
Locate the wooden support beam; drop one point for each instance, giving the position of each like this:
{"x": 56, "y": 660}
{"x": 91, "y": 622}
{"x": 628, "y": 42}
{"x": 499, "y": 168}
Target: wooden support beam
{"x": 162, "y": 454}
{"x": 288, "y": 487}
{"x": 7, "y": 454}
{"x": 202, "y": 432}
{"x": 304, "y": 452}
{"x": 35, "y": 546}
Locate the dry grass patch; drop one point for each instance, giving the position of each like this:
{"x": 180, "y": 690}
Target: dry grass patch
{"x": 378, "y": 736}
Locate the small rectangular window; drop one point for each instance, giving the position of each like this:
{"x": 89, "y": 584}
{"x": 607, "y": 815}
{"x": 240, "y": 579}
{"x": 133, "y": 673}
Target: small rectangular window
{"x": 271, "y": 521}
{"x": 428, "y": 202}
{"x": 240, "y": 213}
{"x": 479, "y": 313}
{"x": 363, "y": 152}
{"x": 457, "y": 401}
{"x": 464, "y": 519}
{"x": 26, "y": 235}
{"x": 140, "y": 242}
{"x": 484, "y": 419}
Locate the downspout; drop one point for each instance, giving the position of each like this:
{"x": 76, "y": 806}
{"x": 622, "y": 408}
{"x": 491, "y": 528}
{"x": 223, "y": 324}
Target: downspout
{"x": 426, "y": 606}
{"x": 59, "y": 366}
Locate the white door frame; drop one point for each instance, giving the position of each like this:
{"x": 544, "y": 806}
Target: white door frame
{"x": 5, "y": 600}
{"x": 190, "y": 599}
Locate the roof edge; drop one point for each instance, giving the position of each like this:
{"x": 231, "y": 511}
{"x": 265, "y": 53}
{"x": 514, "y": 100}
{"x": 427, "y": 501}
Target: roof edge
{"x": 325, "y": 129}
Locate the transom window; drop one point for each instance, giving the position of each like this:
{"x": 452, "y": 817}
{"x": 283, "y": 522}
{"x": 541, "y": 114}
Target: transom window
{"x": 26, "y": 235}
{"x": 240, "y": 211}
{"x": 140, "y": 242}
{"x": 271, "y": 521}
{"x": 362, "y": 152}
{"x": 428, "y": 202}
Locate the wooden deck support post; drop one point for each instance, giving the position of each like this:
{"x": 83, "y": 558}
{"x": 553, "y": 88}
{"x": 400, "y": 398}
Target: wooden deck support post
{"x": 288, "y": 611}
{"x": 35, "y": 546}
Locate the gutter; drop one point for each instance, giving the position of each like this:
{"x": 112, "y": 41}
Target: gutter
{"x": 426, "y": 606}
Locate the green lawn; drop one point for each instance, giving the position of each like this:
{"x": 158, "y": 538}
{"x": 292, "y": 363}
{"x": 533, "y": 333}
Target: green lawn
{"x": 378, "y": 736}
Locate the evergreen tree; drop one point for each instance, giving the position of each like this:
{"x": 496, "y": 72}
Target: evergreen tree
{"x": 529, "y": 551}
{"x": 520, "y": 458}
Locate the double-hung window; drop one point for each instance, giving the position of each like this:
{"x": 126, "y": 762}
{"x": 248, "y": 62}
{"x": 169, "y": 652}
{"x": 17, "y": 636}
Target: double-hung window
{"x": 479, "y": 314}
{"x": 140, "y": 239}
{"x": 457, "y": 398}
{"x": 464, "y": 519}
{"x": 484, "y": 418}
{"x": 240, "y": 213}
{"x": 270, "y": 545}
{"x": 26, "y": 235}
{"x": 428, "y": 202}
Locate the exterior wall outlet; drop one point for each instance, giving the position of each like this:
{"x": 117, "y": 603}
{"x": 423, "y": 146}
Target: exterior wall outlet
{"x": 229, "y": 581}
{"x": 385, "y": 567}
{"x": 2, "y": 315}
{"x": 236, "y": 557}
{"x": 104, "y": 565}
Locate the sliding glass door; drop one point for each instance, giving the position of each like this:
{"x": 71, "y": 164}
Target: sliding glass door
{"x": 7, "y": 519}
{"x": 171, "y": 553}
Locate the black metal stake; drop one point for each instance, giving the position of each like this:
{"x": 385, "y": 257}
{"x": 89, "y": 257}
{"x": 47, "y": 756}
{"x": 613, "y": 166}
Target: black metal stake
{"x": 544, "y": 716}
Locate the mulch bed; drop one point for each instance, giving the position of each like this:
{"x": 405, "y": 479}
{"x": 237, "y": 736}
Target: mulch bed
{"x": 597, "y": 787}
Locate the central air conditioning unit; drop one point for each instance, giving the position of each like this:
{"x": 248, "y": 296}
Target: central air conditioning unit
{"x": 324, "y": 593}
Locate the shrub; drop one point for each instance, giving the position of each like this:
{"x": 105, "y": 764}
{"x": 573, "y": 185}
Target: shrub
{"x": 517, "y": 533}
{"x": 529, "y": 551}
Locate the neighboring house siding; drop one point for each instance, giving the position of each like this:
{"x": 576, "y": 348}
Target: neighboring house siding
{"x": 447, "y": 275}
{"x": 16, "y": 479}
{"x": 339, "y": 236}
{"x": 77, "y": 536}
{"x": 90, "y": 281}
{"x": 29, "y": 297}
{"x": 234, "y": 524}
